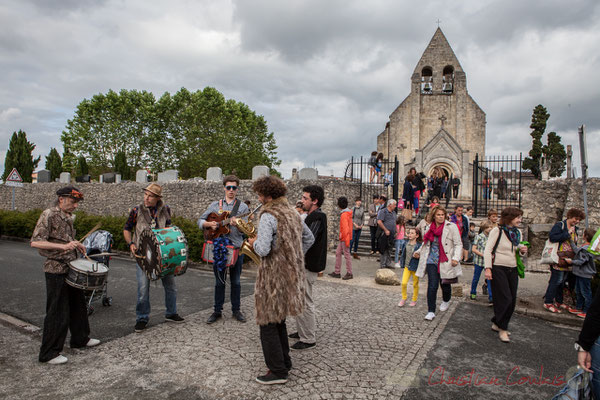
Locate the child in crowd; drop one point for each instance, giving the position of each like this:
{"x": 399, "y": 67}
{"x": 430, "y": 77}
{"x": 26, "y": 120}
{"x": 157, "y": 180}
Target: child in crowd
{"x": 435, "y": 201}
{"x": 492, "y": 217}
{"x": 584, "y": 269}
{"x": 387, "y": 178}
{"x": 472, "y": 234}
{"x": 478, "y": 264}
{"x": 400, "y": 231}
{"x": 410, "y": 265}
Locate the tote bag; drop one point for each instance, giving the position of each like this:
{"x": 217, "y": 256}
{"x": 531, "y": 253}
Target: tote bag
{"x": 550, "y": 253}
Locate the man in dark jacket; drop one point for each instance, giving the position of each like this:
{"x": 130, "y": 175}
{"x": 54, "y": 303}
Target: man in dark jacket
{"x": 314, "y": 261}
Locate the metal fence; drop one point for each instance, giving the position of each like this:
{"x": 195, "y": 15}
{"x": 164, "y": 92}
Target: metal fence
{"x": 371, "y": 182}
{"x": 496, "y": 183}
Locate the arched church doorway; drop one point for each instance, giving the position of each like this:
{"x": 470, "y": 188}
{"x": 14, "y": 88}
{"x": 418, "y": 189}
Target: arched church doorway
{"x": 445, "y": 169}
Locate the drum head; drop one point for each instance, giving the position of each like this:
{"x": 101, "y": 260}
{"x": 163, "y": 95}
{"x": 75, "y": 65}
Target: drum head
{"x": 81, "y": 264}
{"x": 150, "y": 252}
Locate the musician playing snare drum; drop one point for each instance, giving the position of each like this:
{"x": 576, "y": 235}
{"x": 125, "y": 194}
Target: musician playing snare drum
{"x": 231, "y": 184}
{"x": 54, "y": 236}
{"x": 152, "y": 213}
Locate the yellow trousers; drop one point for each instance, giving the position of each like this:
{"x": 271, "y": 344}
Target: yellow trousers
{"x": 405, "y": 277}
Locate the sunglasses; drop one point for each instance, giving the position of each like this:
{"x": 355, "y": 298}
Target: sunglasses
{"x": 231, "y": 187}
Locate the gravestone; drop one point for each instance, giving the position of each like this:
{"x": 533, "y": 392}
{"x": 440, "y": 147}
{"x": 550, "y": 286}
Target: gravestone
{"x": 141, "y": 176}
{"x": 101, "y": 178}
{"x": 65, "y": 177}
{"x": 168, "y": 175}
{"x": 118, "y": 178}
{"x": 43, "y": 176}
{"x": 83, "y": 178}
{"x": 309, "y": 174}
{"x": 260, "y": 171}
{"x": 109, "y": 177}
{"x": 214, "y": 174}
{"x": 294, "y": 174}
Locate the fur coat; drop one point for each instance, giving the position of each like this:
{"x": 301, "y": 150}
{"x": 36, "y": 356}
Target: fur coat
{"x": 279, "y": 288}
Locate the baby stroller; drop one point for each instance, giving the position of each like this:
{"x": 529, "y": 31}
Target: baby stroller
{"x": 97, "y": 243}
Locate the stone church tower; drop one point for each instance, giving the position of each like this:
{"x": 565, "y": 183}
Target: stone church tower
{"x": 438, "y": 124}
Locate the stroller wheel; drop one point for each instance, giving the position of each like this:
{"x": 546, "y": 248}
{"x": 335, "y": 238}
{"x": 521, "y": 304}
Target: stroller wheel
{"x": 90, "y": 310}
{"x": 107, "y": 301}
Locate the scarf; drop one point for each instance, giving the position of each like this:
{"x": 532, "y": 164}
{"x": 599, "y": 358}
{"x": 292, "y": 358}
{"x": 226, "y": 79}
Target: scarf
{"x": 434, "y": 232}
{"x": 512, "y": 233}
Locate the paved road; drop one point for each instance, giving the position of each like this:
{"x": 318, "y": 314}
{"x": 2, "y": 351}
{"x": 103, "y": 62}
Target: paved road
{"x": 23, "y": 292}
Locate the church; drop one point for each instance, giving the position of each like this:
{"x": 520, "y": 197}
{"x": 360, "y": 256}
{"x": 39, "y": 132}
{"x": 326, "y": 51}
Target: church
{"x": 438, "y": 124}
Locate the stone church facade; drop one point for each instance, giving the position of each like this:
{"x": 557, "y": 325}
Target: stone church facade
{"x": 438, "y": 124}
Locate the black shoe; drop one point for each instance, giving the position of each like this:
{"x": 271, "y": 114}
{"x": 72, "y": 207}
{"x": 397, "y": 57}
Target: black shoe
{"x": 213, "y": 317}
{"x": 270, "y": 379}
{"x": 302, "y": 345}
{"x": 174, "y": 318}
{"x": 294, "y": 335}
{"x": 239, "y": 316}
{"x": 334, "y": 275}
{"x": 140, "y": 326}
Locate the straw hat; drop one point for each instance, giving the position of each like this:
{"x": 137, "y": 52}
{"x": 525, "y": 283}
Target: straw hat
{"x": 155, "y": 189}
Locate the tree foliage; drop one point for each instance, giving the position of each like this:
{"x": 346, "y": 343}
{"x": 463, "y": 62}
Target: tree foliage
{"x": 554, "y": 151}
{"x": 54, "y": 164}
{"x": 19, "y": 156}
{"x": 121, "y": 166}
{"x": 187, "y": 131}
{"x": 82, "y": 166}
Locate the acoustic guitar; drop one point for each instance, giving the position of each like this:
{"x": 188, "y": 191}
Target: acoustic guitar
{"x": 223, "y": 220}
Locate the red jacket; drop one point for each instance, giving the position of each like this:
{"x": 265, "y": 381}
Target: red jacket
{"x": 346, "y": 226}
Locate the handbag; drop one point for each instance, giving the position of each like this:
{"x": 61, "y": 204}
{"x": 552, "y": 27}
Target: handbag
{"x": 550, "y": 253}
{"x": 578, "y": 387}
{"x": 407, "y": 214}
{"x": 208, "y": 253}
{"x": 565, "y": 250}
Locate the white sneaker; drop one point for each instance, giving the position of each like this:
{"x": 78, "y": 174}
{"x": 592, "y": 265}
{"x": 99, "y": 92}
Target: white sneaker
{"x": 444, "y": 306}
{"x": 58, "y": 360}
{"x": 430, "y": 316}
{"x": 92, "y": 343}
{"x": 397, "y": 265}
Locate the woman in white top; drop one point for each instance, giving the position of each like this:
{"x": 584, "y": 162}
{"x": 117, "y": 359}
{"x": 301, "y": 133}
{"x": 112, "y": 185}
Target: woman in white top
{"x": 501, "y": 268}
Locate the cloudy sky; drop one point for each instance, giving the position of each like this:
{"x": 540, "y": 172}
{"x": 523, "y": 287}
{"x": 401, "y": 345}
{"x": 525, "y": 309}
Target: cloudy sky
{"x": 326, "y": 75}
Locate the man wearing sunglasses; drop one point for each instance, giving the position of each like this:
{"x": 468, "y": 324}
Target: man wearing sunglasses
{"x": 54, "y": 237}
{"x": 229, "y": 203}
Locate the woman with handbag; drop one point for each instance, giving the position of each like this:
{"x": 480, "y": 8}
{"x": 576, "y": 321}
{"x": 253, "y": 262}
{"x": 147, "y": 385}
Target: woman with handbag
{"x": 501, "y": 268}
{"x": 563, "y": 232}
{"x": 439, "y": 257}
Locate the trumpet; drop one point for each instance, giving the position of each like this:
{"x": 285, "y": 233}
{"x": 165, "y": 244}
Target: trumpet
{"x": 249, "y": 230}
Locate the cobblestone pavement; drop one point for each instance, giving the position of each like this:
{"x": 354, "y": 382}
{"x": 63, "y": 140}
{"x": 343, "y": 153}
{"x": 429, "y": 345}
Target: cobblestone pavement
{"x": 364, "y": 346}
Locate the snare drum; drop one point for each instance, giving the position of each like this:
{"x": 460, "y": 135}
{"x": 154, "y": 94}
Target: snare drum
{"x": 87, "y": 275}
{"x": 164, "y": 252}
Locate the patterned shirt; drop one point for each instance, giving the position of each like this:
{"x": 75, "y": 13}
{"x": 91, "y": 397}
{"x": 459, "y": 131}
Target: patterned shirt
{"x": 55, "y": 226}
{"x": 132, "y": 220}
{"x": 479, "y": 242}
{"x": 434, "y": 252}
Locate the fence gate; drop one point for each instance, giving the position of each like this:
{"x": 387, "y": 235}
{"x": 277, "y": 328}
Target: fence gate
{"x": 360, "y": 171}
{"x": 496, "y": 183}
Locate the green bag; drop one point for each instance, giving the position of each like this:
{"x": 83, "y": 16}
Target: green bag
{"x": 593, "y": 247}
{"x": 520, "y": 265}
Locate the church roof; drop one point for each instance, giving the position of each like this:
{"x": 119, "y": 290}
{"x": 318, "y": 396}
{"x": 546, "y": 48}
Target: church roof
{"x": 438, "y": 54}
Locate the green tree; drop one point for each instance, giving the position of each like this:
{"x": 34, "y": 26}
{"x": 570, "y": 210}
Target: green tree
{"x": 538, "y": 124}
{"x": 19, "y": 156}
{"x": 121, "y": 166}
{"x": 555, "y": 154}
{"x": 69, "y": 161}
{"x": 54, "y": 164}
{"x": 82, "y": 166}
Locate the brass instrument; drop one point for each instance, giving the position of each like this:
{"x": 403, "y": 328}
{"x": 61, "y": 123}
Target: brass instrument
{"x": 249, "y": 230}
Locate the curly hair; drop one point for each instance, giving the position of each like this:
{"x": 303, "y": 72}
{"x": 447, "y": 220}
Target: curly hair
{"x": 270, "y": 186}
{"x": 575, "y": 213}
{"x": 316, "y": 192}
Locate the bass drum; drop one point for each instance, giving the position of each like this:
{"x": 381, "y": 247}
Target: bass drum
{"x": 87, "y": 275}
{"x": 163, "y": 252}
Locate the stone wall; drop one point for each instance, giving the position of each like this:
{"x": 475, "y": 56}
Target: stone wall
{"x": 187, "y": 199}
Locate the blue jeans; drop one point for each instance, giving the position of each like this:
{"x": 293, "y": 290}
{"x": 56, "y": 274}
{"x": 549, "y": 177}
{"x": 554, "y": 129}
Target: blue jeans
{"x": 433, "y": 281}
{"x": 583, "y": 286}
{"x": 476, "y": 274}
{"x": 355, "y": 238}
{"x": 555, "y": 286}
{"x": 142, "y": 309}
{"x": 235, "y": 271}
{"x": 400, "y": 245}
{"x": 595, "y": 353}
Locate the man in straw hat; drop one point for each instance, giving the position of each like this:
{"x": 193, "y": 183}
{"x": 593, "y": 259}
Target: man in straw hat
{"x": 54, "y": 237}
{"x": 152, "y": 213}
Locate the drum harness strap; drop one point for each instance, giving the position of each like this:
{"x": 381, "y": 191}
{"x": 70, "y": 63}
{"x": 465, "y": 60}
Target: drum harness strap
{"x": 220, "y": 244}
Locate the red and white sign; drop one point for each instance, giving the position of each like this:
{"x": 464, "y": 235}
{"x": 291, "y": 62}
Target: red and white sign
{"x": 14, "y": 179}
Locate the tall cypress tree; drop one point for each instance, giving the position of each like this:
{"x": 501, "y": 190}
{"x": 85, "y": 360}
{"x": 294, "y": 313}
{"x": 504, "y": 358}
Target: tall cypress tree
{"x": 54, "y": 164}
{"x": 538, "y": 124}
{"x": 19, "y": 156}
{"x": 555, "y": 154}
{"x": 82, "y": 167}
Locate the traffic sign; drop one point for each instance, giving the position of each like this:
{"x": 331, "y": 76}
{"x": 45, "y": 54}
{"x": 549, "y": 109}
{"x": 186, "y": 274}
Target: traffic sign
{"x": 13, "y": 184}
{"x": 14, "y": 176}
